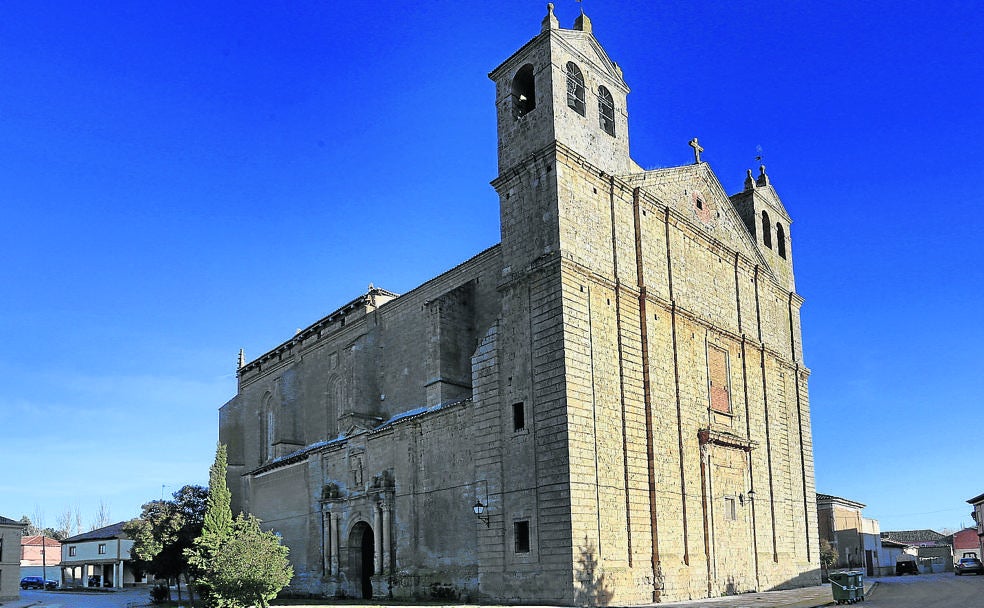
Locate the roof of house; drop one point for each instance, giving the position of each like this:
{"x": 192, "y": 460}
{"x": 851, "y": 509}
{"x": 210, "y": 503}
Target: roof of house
{"x": 6, "y": 521}
{"x": 111, "y": 531}
{"x": 846, "y": 501}
{"x": 35, "y": 540}
{"x": 976, "y": 499}
{"x": 888, "y": 542}
{"x": 913, "y": 536}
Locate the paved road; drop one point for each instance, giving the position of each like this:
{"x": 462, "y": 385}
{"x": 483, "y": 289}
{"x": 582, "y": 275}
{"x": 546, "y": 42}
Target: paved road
{"x": 936, "y": 590}
{"x": 127, "y": 598}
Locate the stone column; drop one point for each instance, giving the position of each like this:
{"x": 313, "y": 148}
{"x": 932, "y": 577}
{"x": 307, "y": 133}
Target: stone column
{"x": 387, "y": 542}
{"x": 334, "y": 546}
{"x": 326, "y": 543}
{"x": 378, "y": 538}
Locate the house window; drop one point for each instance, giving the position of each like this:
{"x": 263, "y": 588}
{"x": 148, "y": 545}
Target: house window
{"x": 717, "y": 372}
{"x": 575, "y": 88}
{"x": 521, "y": 532}
{"x": 519, "y": 416}
{"x": 730, "y": 510}
{"x": 606, "y": 111}
{"x": 523, "y": 92}
{"x": 102, "y": 548}
{"x": 766, "y": 230}
{"x": 71, "y": 551}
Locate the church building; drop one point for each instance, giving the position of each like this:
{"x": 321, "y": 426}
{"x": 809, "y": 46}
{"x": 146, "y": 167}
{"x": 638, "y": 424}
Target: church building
{"x": 608, "y": 407}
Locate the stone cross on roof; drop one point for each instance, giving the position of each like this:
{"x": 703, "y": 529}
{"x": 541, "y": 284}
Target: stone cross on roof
{"x": 697, "y": 150}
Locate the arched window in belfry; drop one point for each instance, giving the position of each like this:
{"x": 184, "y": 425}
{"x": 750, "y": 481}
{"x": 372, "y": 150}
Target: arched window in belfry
{"x": 606, "y": 111}
{"x": 766, "y": 230}
{"x": 267, "y": 428}
{"x": 523, "y": 91}
{"x": 575, "y": 88}
{"x": 781, "y": 240}
{"x": 333, "y": 401}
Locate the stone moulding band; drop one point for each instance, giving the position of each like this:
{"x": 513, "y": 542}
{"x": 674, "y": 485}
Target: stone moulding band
{"x": 728, "y": 440}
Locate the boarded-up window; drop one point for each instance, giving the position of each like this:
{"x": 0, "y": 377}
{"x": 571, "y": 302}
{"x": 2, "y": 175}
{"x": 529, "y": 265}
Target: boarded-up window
{"x": 717, "y": 371}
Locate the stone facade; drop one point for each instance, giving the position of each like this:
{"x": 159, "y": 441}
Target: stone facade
{"x": 617, "y": 388}
{"x": 10, "y": 537}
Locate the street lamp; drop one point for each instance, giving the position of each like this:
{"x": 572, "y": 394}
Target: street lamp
{"x": 479, "y": 510}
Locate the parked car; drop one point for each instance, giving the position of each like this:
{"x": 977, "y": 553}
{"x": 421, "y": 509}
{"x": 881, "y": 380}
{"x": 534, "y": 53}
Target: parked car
{"x": 36, "y": 582}
{"x": 907, "y": 566}
{"x": 968, "y": 565}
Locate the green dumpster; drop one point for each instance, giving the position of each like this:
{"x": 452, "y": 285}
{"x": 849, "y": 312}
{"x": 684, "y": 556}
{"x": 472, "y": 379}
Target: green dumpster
{"x": 857, "y": 579}
{"x": 842, "y": 587}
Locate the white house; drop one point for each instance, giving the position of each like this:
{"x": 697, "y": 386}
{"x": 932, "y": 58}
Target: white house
{"x": 891, "y": 552}
{"x": 103, "y": 553}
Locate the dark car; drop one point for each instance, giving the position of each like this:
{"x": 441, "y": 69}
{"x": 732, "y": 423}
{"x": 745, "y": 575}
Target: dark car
{"x": 968, "y": 565}
{"x": 36, "y": 582}
{"x": 906, "y": 567}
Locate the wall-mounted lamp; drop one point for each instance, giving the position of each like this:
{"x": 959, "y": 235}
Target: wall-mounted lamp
{"x": 479, "y": 510}
{"x": 750, "y": 497}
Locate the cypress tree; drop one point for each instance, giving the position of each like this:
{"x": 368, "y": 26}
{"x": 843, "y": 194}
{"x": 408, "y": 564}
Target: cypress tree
{"x": 218, "y": 512}
{"x": 216, "y": 527}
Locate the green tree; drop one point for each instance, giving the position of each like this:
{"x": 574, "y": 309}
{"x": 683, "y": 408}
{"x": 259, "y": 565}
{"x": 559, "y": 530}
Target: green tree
{"x": 828, "y": 555}
{"x": 218, "y": 512}
{"x": 236, "y": 563}
{"x": 33, "y": 530}
{"x": 165, "y": 529}
{"x": 251, "y": 566}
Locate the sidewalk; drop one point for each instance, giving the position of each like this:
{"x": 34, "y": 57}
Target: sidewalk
{"x": 805, "y": 597}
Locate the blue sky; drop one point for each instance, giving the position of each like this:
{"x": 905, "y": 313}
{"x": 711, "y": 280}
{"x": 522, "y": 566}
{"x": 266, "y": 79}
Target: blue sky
{"x": 182, "y": 180}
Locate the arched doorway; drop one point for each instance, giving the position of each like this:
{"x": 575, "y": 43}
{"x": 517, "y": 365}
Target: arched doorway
{"x": 361, "y": 562}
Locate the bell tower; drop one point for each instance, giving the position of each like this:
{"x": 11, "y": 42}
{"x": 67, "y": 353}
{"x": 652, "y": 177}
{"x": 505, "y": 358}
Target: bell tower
{"x": 769, "y": 223}
{"x": 561, "y": 86}
{"x": 559, "y": 93}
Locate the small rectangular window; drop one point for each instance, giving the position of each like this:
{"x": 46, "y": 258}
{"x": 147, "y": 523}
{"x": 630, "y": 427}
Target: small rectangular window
{"x": 519, "y": 416}
{"x": 102, "y": 548}
{"x": 521, "y": 530}
{"x": 730, "y": 510}
{"x": 71, "y": 551}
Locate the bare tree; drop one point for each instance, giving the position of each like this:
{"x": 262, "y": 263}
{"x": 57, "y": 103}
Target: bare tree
{"x": 64, "y": 522}
{"x": 38, "y": 518}
{"x": 78, "y": 520}
{"x": 102, "y": 516}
